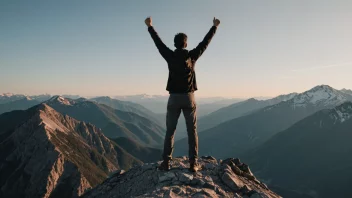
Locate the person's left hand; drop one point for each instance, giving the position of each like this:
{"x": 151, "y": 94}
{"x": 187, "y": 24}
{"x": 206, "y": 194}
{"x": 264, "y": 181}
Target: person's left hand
{"x": 148, "y": 21}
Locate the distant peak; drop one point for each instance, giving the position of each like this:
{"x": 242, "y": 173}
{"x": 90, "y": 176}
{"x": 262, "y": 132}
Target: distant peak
{"x": 320, "y": 95}
{"x": 81, "y": 99}
{"x": 252, "y": 100}
{"x": 104, "y": 97}
{"x": 322, "y": 87}
{"x": 9, "y": 95}
{"x": 61, "y": 100}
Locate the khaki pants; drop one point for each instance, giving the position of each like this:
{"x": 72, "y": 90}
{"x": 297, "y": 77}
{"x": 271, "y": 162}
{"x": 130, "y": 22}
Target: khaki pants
{"x": 186, "y": 103}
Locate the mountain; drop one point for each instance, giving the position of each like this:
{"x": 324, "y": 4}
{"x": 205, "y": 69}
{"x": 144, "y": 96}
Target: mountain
{"x": 145, "y": 154}
{"x": 204, "y": 108}
{"x": 9, "y": 97}
{"x": 247, "y": 132}
{"x": 228, "y": 178}
{"x": 129, "y": 107}
{"x": 158, "y": 103}
{"x": 155, "y": 103}
{"x": 347, "y": 91}
{"x": 20, "y": 104}
{"x": 313, "y": 155}
{"x": 47, "y": 154}
{"x": 114, "y": 123}
{"x": 237, "y": 110}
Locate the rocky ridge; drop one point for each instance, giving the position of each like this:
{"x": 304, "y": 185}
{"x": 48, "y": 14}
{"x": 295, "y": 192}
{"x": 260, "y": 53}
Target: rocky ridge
{"x": 223, "y": 178}
{"x": 47, "y": 154}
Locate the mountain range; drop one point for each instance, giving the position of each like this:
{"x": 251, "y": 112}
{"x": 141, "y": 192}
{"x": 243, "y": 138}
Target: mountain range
{"x": 61, "y": 147}
{"x": 247, "y": 132}
{"x": 114, "y": 123}
{"x": 237, "y": 110}
{"x": 128, "y": 106}
{"x": 313, "y": 155}
{"x": 18, "y": 104}
{"x": 158, "y": 103}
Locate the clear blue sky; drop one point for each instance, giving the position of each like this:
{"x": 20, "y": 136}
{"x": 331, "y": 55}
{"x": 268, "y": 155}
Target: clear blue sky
{"x": 262, "y": 48}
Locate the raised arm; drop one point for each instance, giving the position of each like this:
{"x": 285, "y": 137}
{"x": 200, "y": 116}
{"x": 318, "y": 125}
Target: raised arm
{"x": 202, "y": 46}
{"x": 163, "y": 49}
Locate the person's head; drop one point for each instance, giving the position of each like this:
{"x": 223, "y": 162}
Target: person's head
{"x": 180, "y": 41}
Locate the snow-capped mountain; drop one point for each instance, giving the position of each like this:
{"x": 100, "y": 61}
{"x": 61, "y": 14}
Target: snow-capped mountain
{"x": 20, "y": 104}
{"x": 142, "y": 97}
{"x": 310, "y": 155}
{"x": 322, "y": 95}
{"x": 61, "y": 100}
{"x": 252, "y": 130}
{"x": 41, "y": 98}
{"x": 347, "y": 91}
{"x": 10, "y": 97}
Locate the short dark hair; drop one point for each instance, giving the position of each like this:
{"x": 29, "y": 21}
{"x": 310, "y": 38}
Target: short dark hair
{"x": 180, "y": 41}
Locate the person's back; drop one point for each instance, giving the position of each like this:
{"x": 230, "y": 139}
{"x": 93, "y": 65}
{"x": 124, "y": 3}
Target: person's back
{"x": 181, "y": 85}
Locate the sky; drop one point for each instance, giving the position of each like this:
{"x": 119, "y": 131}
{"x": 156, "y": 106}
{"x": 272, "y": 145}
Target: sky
{"x": 90, "y": 48}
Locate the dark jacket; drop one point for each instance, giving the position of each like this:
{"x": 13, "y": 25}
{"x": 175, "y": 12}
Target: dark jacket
{"x": 181, "y": 62}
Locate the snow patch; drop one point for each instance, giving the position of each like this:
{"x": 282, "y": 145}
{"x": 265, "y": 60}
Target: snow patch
{"x": 321, "y": 95}
{"x": 342, "y": 114}
{"x": 61, "y": 100}
{"x": 7, "y": 94}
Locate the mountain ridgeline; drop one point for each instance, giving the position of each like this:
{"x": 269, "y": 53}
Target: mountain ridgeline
{"x": 298, "y": 144}
{"x": 114, "y": 123}
{"x": 247, "y": 132}
{"x": 237, "y": 110}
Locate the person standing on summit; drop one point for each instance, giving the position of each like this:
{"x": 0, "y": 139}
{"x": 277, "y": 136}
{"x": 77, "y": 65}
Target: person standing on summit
{"x": 181, "y": 85}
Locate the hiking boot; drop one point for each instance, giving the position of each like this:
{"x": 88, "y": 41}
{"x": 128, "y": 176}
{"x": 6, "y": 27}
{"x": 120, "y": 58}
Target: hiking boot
{"x": 194, "y": 166}
{"x": 165, "y": 165}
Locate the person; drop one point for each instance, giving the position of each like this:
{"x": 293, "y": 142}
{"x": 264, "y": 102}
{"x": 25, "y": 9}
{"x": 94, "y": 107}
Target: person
{"x": 181, "y": 86}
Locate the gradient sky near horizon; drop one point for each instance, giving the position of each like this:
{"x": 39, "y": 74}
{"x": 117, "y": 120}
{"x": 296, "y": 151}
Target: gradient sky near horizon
{"x": 262, "y": 48}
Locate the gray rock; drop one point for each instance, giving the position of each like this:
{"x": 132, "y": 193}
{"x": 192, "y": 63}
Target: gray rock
{"x": 170, "y": 194}
{"x": 168, "y": 176}
{"x": 185, "y": 178}
{"x": 213, "y": 181}
{"x": 113, "y": 180}
{"x": 198, "y": 182}
{"x": 209, "y": 166}
{"x": 232, "y": 181}
{"x": 148, "y": 166}
{"x": 206, "y": 193}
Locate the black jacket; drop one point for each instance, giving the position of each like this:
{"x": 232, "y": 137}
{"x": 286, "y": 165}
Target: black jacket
{"x": 181, "y": 62}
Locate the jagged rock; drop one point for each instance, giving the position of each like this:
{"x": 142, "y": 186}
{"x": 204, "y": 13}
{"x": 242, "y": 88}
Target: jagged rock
{"x": 185, "y": 178}
{"x": 47, "y": 154}
{"x": 232, "y": 181}
{"x": 166, "y": 176}
{"x": 219, "y": 180}
{"x": 170, "y": 194}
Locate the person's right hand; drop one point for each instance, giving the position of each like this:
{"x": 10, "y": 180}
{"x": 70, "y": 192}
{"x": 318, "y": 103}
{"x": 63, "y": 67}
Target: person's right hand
{"x": 216, "y": 22}
{"x": 148, "y": 21}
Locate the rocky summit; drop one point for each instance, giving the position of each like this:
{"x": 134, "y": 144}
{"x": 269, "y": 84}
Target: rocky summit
{"x": 218, "y": 178}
